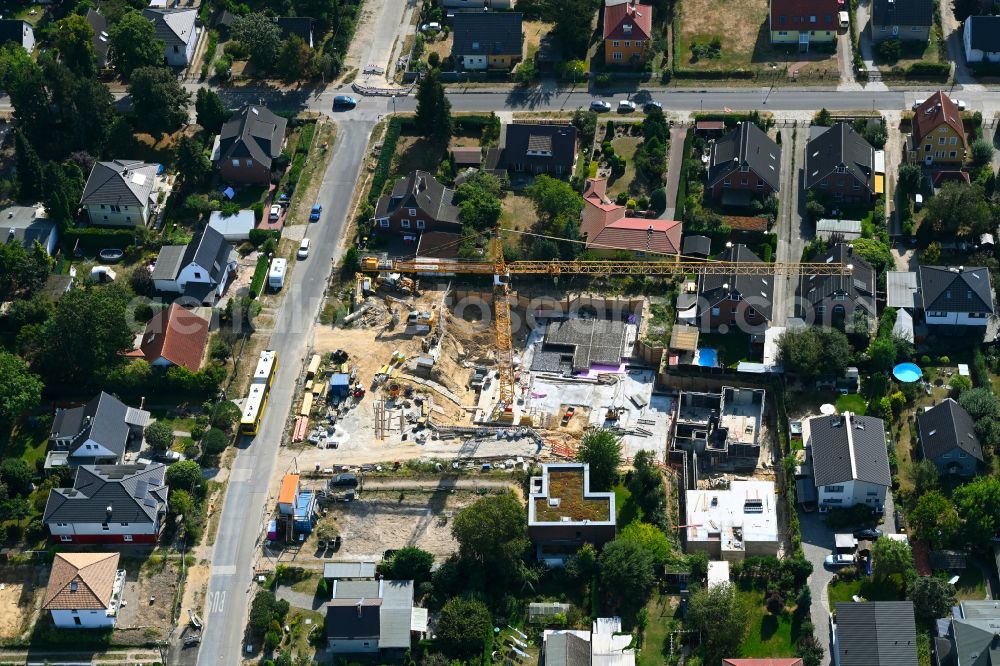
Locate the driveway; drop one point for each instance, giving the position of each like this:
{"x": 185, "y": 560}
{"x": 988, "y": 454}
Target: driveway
{"x": 862, "y": 20}
{"x": 817, "y": 543}
{"x": 675, "y": 163}
{"x": 791, "y": 227}
{"x": 950, "y": 32}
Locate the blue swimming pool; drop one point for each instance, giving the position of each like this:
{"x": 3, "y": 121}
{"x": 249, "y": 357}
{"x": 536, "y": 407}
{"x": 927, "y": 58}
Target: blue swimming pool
{"x": 708, "y": 358}
{"x": 907, "y": 372}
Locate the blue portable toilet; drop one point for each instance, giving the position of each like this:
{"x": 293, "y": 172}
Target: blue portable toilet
{"x": 340, "y": 385}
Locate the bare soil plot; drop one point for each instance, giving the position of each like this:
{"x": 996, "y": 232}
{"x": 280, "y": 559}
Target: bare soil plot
{"x": 20, "y": 598}
{"x": 150, "y": 592}
{"x": 518, "y": 212}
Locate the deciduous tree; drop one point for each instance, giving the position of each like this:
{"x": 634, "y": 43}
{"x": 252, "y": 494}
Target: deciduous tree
{"x": 158, "y": 100}
{"x": 410, "y": 563}
{"x": 159, "y": 435}
{"x": 935, "y": 519}
{"x": 260, "y": 35}
{"x": 602, "y": 450}
{"x": 978, "y": 505}
{"x": 20, "y": 389}
{"x": 210, "y": 109}
{"x": 74, "y": 41}
{"x": 30, "y": 171}
{"x": 295, "y": 60}
{"x": 492, "y": 531}
{"x": 627, "y": 574}
{"x": 932, "y": 598}
{"x": 186, "y": 475}
{"x": 463, "y": 627}
{"x": 814, "y": 351}
{"x": 650, "y": 538}
{"x": 958, "y": 210}
{"x": 722, "y": 617}
{"x": 133, "y": 44}
{"x": 892, "y": 557}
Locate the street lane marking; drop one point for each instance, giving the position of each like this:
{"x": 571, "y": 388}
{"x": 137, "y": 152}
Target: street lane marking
{"x": 216, "y": 602}
{"x": 224, "y": 570}
{"x": 241, "y": 475}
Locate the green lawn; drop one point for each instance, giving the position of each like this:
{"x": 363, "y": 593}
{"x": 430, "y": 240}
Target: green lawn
{"x": 624, "y": 147}
{"x": 851, "y": 402}
{"x": 872, "y": 589}
{"x": 28, "y": 444}
{"x": 971, "y": 585}
{"x": 656, "y": 636}
{"x": 626, "y": 511}
{"x": 768, "y": 635}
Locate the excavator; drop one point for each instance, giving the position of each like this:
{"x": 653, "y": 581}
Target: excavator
{"x": 502, "y": 271}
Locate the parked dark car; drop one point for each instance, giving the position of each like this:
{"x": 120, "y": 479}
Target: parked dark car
{"x": 344, "y": 102}
{"x": 344, "y": 481}
{"x": 868, "y": 533}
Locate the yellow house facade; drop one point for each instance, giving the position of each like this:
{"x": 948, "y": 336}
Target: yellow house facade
{"x": 938, "y": 135}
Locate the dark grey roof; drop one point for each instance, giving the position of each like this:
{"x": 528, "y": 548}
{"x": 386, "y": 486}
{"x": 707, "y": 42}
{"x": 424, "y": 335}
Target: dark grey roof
{"x": 948, "y": 559}
{"x": 253, "y": 132}
{"x": 135, "y": 494}
{"x": 210, "y": 250}
{"x": 840, "y": 149}
{"x": 947, "y": 426}
{"x": 565, "y": 649}
{"x": 858, "y": 287}
{"x": 101, "y": 40}
{"x": 300, "y": 26}
{"x": 985, "y": 35}
{"x": 849, "y": 447}
{"x": 746, "y": 147}
{"x": 353, "y": 619}
{"x": 951, "y": 289}
{"x": 758, "y": 291}
{"x": 487, "y": 33}
{"x": 12, "y": 30}
{"x": 174, "y": 27}
{"x": 121, "y": 182}
{"x": 420, "y": 190}
{"x": 876, "y": 633}
{"x": 101, "y": 420}
{"x": 902, "y": 12}
{"x": 696, "y": 245}
{"x": 169, "y": 262}
{"x": 555, "y": 144}
{"x": 20, "y": 224}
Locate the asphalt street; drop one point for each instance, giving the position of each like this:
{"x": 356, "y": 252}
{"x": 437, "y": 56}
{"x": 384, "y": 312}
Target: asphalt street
{"x": 241, "y": 525}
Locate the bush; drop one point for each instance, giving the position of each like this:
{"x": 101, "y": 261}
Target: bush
{"x": 159, "y": 435}
{"x": 384, "y": 164}
{"x": 214, "y": 442}
{"x": 890, "y": 50}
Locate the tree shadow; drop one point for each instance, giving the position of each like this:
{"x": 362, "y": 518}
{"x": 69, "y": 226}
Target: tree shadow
{"x": 768, "y": 627}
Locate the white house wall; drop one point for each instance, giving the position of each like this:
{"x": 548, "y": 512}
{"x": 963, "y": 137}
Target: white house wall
{"x": 89, "y": 619}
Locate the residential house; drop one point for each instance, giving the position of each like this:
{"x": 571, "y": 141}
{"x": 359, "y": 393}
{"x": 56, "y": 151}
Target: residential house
{"x": 840, "y": 166}
{"x": 120, "y": 193}
{"x": 16, "y": 31}
{"x": 349, "y": 571}
{"x": 906, "y": 20}
{"x": 101, "y": 39}
{"x": 564, "y": 513}
{"x": 732, "y": 524}
{"x": 982, "y": 39}
{"x": 879, "y": 633}
{"x": 439, "y": 245}
{"x": 418, "y": 203}
{"x": 233, "y": 227}
{"x": 84, "y": 590}
{"x": 537, "y": 148}
{"x": 937, "y": 135}
{"x": 948, "y": 439}
{"x": 744, "y": 301}
{"x": 804, "y": 22}
{"x": 696, "y": 247}
{"x": 175, "y": 336}
{"x": 836, "y": 299}
{"x": 487, "y": 40}
{"x": 374, "y": 617}
{"x": 849, "y": 459}
{"x": 200, "y": 270}
{"x": 956, "y": 298}
{"x": 300, "y": 26}
{"x": 969, "y": 636}
{"x": 608, "y": 230}
{"x": 605, "y": 644}
{"x": 628, "y": 33}
{"x": 177, "y": 30}
{"x": 96, "y": 433}
{"x": 109, "y": 504}
{"x": 26, "y": 225}
{"x": 745, "y": 160}
{"x": 249, "y": 144}
{"x": 723, "y": 429}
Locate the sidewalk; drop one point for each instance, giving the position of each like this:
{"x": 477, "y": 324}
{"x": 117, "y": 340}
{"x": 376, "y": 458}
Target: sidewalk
{"x": 675, "y": 164}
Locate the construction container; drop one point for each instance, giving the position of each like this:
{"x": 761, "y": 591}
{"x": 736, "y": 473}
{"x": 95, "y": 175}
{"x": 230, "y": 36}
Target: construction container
{"x": 340, "y": 386}
{"x": 313, "y": 366}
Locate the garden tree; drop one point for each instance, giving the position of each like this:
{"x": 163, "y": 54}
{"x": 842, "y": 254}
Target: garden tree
{"x": 582, "y": 565}
{"x": 814, "y": 352}
{"x": 22, "y": 272}
{"x": 931, "y": 254}
{"x": 910, "y": 178}
{"x": 556, "y": 202}
{"x": 882, "y": 353}
{"x": 981, "y": 151}
{"x": 959, "y": 385}
{"x": 214, "y": 442}
{"x": 210, "y": 109}
{"x": 890, "y": 50}
{"x": 573, "y": 24}
{"x": 627, "y": 574}
{"x": 182, "y": 503}
{"x": 16, "y": 475}
{"x": 186, "y": 475}
{"x": 958, "y": 210}
{"x": 492, "y": 532}
{"x": 650, "y": 538}
{"x": 63, "y": 188}
{"x": 159, "y": 435}
{"x": 892, "y": 557}
{"x": 74, "y": 41}
{"x": 602, "y": 450}
{"x": 875, "y": 252}
{"x": 88, "y": 332}
{"x": 20, "y": 389}
{"x": 544, "y": 249}
{"x": 463, "y": 627}
{"x": 935, "y": 519}
{"x": 980, "y": 403}
{"x": 22, "y": 312}
{"x": 158, "y": 100}
{"x": 932, "y": 597}
{"x": 23, "y": 81}
{"x": 410, "y": 563}
{"x": 295, "y": 60}
{"x": 988, "y": 432}
{"x": 645, "y": 482}
{"x": 433, "y": 116}
{"x": 81, "y": 113}
{"x": 265, "y": 610}
{"x": 651, "y": 161}
{"x": 722, "y": 617}
{"x": 491, "y": 131}
{"x": 810, "y": 650}
{"x": 478, "y": 200}
{"x": 978, "y": 505}
{"x": 30, "y": 172}
{"x": 260, "y": 35}
{"x": 823, "y": 118}
{"x": 585, "y": 122}
{"x": 193, "y": 164}
{"x": 226, "y": 415}
{"x": 133, "y": 44}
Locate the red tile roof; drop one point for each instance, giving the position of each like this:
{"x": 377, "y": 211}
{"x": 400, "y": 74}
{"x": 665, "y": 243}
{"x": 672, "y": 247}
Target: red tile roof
{"x": 804, "y": 9}
{"x": 639, "y": 235}
{"x": 616, "y": 16}
{"x": 176, "y": 334}
{"x": 936, "y": 109}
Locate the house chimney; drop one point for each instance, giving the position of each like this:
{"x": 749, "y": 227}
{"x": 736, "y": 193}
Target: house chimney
{"x": 850, "y": 250}
{"x": 358, "y": 606}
